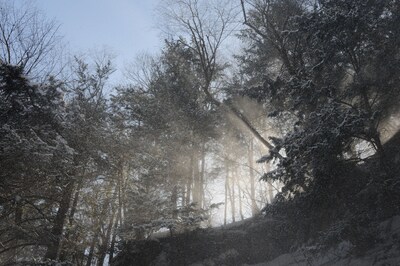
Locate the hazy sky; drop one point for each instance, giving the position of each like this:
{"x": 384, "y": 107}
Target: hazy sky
{"x": 126, "y": 27}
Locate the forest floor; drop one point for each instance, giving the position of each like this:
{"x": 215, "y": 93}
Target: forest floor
{"x": 257, "y": 242}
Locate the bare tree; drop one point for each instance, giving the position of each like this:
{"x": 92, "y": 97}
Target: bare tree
{"x": 207, "y": 24}
{"x": 29, "y": 40}
{"x": 141, "y": 70}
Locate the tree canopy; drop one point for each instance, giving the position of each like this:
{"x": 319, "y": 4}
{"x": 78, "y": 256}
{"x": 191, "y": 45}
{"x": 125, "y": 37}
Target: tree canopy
{"x": 86, "y": 167}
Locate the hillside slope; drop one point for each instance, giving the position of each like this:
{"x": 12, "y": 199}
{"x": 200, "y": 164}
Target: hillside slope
{"x": 257, "y": 242}
{"x": 362, "y": 227}
{"x": 250, "y": 241}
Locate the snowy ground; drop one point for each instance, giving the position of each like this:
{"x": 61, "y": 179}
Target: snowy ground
{"x": 385, "y": 253}
{"x": 251, "y": 241}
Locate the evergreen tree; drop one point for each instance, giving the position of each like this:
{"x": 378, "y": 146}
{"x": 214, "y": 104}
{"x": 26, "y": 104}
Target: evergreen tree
{"x": 35, "y": 158}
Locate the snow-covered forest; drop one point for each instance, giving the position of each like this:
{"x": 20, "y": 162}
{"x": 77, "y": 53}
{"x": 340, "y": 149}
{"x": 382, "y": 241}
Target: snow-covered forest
{"x": 282, "y": 114}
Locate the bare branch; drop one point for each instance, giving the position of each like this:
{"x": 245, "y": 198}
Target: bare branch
{"x": 29, "y": 40}
{"x": 207, "y": 29}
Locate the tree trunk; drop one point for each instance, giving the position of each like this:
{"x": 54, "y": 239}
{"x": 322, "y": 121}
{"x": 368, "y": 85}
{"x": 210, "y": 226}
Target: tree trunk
{"x": 119, "y": 213}
{"x": 114, "y": 237}
{"x": 64, "y": 254}
{"x": 91, "y": 249}
{"x": 240, "y": 194}
{"x": 53, "y": 249}
{"x": 270, "y": 187}
{"x": 105, "y": 234}
{"x": 202, "y": 173}
{"x": 271, "y": 194}
{"x": 226, "y": 191}
{"x": 232, "y": 197}
{"x": 17, "y": 221}
{"x": 119, "y": 184}
{"x": 254, "y": 207}
{"x": 196, "y": 180}
{"x": 174, "y": 199}
{"x": 189, "y": 181}
{"x": 104, "y": 246}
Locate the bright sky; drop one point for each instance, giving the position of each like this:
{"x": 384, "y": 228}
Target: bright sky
{"x": 126, "y": 27}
